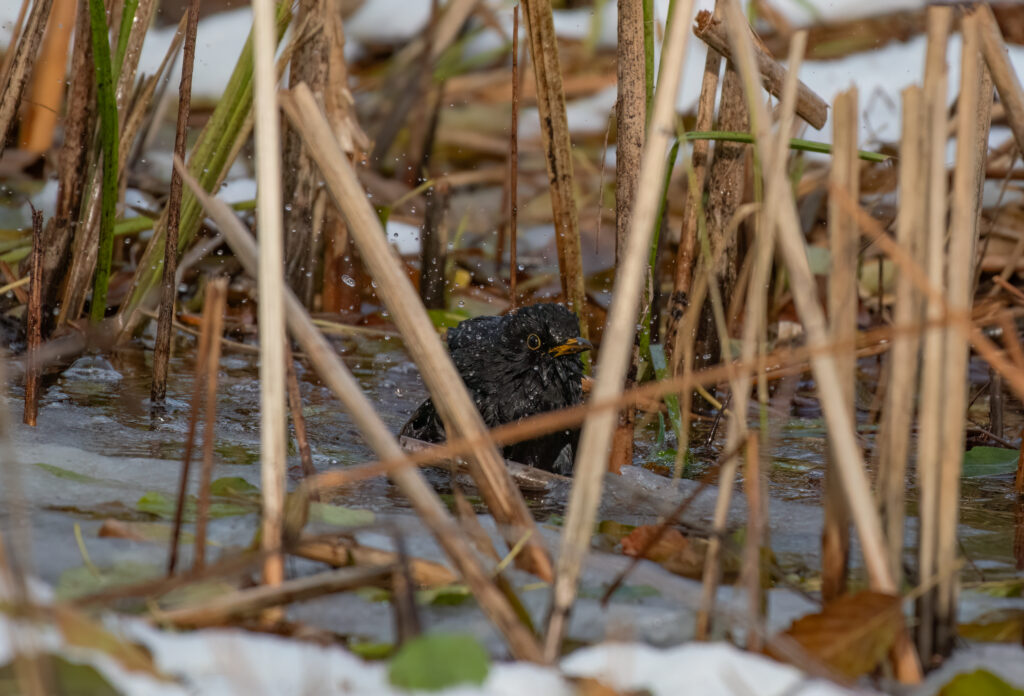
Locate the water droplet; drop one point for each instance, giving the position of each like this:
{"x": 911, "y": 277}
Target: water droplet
{"x": 348, "y": 280}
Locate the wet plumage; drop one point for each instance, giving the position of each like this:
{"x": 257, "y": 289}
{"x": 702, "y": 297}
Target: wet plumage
{"x": 518, "y": 365}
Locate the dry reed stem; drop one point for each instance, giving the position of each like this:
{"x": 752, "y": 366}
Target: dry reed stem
{"x": 273, "y": 399}
{"x": 751, "y": 575}
{"x": 338, "y": 379}
{"x": 16, "y": 77}
{"x": 214, "y": 304}
{"x": 202, "y": 353}
{"x": 554, "y": 127}
{"x": 898, "y": 413}
{"x": 14, "y": 36}
{"x": 1003, "y": 75}
{"x": 630, "y": 124}
{"x": 169, "y": 285}
{"x": 850, "y": 463}
{"x": 621, "y": 327}
{"x": 773, "y": 158}
{"x": 727, "y": 180}
{"x": 34, "y": 324}
{"x": 686, "y": 257}
{"x": 262, "y": 598}
{"x": 809, "y": 106}
{"x": 343, "y": 552}
{"x": 513, "y": 169}
{"x": 46, "y": 92}
{"x": 133, "y": 52}
{"x": 965, "y": 210}
{"x": 298, "y": 419}
{"x": 932, "y": 402}
{"x": 844, "y": 243}
{"x": 421, "y": 339}
{"x": 630, "y": 115}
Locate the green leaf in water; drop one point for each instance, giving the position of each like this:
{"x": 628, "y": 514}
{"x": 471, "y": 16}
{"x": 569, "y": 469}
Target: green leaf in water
{"x": 340, "y": 516}
{"x": 989, "y": 461}
{"x": 158, "y": 504}
{"x": 980, "y": 682}
{"x": 234, "y": 487}
{"x": 438, "y": 661}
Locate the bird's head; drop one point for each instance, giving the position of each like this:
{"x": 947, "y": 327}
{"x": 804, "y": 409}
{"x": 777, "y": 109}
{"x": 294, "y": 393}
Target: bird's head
{"x": 543, "y": 333}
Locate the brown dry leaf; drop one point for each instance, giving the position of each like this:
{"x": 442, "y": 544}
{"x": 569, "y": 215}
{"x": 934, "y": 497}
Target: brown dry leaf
{"x": 852, "y": 634}
{"x": 674, "y": 551}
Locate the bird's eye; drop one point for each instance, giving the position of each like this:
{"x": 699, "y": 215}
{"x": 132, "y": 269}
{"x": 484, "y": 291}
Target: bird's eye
{"x": 533, "y": 341}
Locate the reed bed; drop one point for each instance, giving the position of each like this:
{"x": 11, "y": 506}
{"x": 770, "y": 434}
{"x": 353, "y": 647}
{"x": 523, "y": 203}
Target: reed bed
{"x": 691, "y": 330}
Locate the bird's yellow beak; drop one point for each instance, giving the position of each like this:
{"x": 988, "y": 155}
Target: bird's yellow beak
{"x": 573, "y": 345}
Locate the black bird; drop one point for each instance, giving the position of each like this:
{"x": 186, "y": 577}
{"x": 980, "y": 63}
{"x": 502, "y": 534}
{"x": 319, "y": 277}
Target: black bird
{"x": 517, "y": 365}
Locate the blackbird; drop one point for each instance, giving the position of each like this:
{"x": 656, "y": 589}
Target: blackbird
{"x": 517, "y": 365}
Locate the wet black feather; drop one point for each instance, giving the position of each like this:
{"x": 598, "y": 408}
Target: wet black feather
{"x": 511, "y": 380}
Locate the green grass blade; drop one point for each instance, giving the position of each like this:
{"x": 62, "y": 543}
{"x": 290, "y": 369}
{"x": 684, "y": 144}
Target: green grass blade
{"x": 794, "y": 144}
{"x": 109, "y": 144}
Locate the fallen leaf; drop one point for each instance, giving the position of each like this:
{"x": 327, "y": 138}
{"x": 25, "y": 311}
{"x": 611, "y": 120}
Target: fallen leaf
{"x": 852, "y": 634}
{"x": 672, "y": 550}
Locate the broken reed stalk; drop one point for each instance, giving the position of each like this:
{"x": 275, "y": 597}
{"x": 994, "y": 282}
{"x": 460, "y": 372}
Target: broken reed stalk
{"x": 169, "y": 284}
{"x": 591, "y": 461}
{"x": 421, "y": 339}
{"x": 898, "y": 412}
{"x": 809, "y": 106}
{"x": 343, "y": 552}
{"x": 679, "y": 341}
{"x": 630, "y": 123}
{"x": 202, "y": 353}
{"x": 630, "y": 115}
{"x": 273, "y": 410}
{"x": 434, "y": 247}
{"x": 79, "y": 123}
{"x": 1003, "y": 75}
{"x": 773, "y": 161}
{"x": 16, "y": 77}
{"x": 298, "y": 419}
{"x": 34, "y": 324}
{"x": 214, "y": 304}
{"x": 513, "y": 168}
{"x": 850, "y": 463}
{"x": 727, "y": 180}
{"x": 844, "y": 243}
{"x": 932, "y": 402}
{"x": 686, "y": 257}
{"x": 14, "y": 37}
{"x": 973, "y": 112}
{"x": 251, "y": 601}
{"x": 555, "y": 138}
{"x": 522, "y": 643}
{"x": 46, "y": 92}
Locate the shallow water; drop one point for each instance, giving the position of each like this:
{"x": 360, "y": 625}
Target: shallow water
{"x": 97, "y": 452}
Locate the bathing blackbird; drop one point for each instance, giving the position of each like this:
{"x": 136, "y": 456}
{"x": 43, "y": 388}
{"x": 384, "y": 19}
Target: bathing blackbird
{"x": 517, "y": 365}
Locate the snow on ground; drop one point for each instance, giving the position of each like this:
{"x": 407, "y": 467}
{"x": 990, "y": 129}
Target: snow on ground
{"x": 229, "y": 662}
